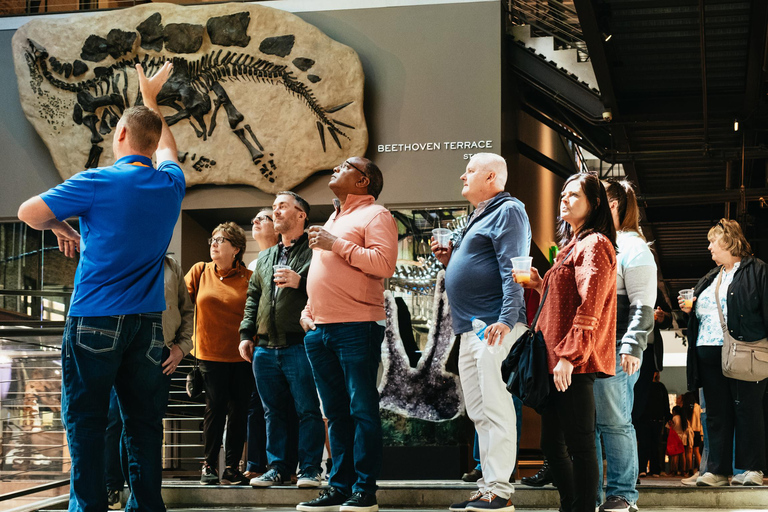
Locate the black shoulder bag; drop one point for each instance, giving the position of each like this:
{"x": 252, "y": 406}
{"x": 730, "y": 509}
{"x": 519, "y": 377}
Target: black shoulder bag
{"x": 525, "y": 368}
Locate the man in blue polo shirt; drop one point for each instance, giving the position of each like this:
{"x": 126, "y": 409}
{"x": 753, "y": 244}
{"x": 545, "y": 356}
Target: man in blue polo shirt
{"x": 114, "y": 333}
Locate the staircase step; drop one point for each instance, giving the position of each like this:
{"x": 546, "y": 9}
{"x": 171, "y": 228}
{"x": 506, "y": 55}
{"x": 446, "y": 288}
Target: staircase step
{"x": 439, "y": 494}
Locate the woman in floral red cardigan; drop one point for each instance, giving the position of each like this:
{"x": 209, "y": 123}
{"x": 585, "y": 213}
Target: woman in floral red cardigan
{"x": 578, "y": 322}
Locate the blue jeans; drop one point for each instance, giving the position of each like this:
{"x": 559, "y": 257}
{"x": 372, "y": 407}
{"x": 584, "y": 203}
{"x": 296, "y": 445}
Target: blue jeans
{"x": 614, "y": 397}
{"x": 519, "y": 416}
{"x": 116, "y": 450}
{"x": 125, "y": 352}
{"x": 345, "y": 359}
{"x": 284, "y": 377}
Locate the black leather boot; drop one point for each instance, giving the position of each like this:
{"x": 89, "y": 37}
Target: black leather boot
{"x": 540, "y": 479}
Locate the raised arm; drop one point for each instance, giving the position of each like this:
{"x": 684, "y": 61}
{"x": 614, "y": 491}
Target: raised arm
{"x": 150, "y": 88}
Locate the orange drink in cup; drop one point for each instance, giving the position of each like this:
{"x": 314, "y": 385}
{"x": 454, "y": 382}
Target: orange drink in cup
{"x": 522, "y": 267}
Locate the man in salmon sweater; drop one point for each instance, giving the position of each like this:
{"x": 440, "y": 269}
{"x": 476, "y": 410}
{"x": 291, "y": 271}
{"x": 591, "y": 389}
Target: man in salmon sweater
{"x": 344, "y": 319}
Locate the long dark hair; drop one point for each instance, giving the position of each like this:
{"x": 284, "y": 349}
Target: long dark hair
{"x": 689, "y": 400}
{"x": 678, "y": 411}
{"x": 622, "y": 192}
{"x": 598, "y": 219}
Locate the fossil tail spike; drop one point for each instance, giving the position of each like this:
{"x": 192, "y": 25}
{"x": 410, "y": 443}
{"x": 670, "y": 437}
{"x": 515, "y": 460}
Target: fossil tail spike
{"x": 332, "y": 131}
{"x": 321, "y": 129}
{"x": 338, "y": 107}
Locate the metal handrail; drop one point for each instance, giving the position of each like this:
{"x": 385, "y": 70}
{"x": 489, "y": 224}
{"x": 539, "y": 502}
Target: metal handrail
{"x": 33, "y": 490}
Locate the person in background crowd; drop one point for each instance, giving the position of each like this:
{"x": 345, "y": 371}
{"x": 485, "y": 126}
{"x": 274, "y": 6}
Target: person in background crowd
{"x": 178, "y": 322}
{"x": 678, "y": 463}
{"x": 344, "y": 321}
{"x": 636, "y": 294}
{"x": 734, "y": 407}
{"x": 479, "y": 283}
{"x": 127, "y": 212}
{"x": 578, "y": 322}
{"x": 653, "y": 359}
{"x": 218, "y": 290}
{"x": 650, "y": 428}
{"x": 275, "y": 301}
{"x": 263, "y": 232}
{"x": 692, "y": 413}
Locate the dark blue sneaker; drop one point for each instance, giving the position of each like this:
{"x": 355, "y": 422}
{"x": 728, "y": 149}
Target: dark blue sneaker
{"x": 360, "y": 502}
{"x": 330, "y": 500}
{"x": 268, "y": 479}
{"x": 491, "y": 502}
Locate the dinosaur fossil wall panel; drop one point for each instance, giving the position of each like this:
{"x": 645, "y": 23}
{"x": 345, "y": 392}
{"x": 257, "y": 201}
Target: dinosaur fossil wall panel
{"x": 257, "y": 96}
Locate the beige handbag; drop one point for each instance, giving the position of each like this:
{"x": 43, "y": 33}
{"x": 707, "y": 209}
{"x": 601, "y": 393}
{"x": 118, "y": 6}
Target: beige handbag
{"x": 741, "y": 360}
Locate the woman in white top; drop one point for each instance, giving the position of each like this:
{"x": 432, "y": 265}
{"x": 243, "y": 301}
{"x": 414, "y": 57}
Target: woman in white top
{"x": 614, "y": 395}
{"x": 734, "y": 407}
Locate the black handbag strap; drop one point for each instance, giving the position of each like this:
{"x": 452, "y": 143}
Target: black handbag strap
{"x": 197, "y": 332}
{"x": 546, "y": 290}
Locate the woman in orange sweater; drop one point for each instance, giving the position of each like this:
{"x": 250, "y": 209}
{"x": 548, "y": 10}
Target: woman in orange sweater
{"x": 218, "y": 290}
{"x": 578, "y": 322}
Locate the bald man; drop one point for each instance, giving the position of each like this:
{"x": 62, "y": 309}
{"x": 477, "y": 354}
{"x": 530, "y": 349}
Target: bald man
{"x": 479, "y": 283}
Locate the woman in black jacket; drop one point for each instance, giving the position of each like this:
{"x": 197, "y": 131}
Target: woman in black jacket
{"x": 733, "y": 406}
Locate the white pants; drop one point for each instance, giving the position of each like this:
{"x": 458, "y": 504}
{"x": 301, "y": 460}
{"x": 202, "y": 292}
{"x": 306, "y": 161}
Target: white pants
{"x": 491, "y": 409}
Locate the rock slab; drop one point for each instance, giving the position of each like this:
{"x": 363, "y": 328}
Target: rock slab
{"x": 257, "y": 96}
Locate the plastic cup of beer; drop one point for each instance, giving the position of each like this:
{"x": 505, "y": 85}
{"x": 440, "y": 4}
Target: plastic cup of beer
{"x": 442, "y": 236}
{"x": 687, "y": 296}
{"x": 278, "y": 269}
{"x": 522, "y": 267}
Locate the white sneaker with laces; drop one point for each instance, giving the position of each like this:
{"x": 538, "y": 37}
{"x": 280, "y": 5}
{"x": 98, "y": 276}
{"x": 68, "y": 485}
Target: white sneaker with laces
{"x": 752, "y": 478}
{"x": 711, "y": 480}
{"x": 738, "y": 479}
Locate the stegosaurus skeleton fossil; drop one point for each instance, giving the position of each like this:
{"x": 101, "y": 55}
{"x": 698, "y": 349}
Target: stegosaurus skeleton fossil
{"x": 187, "y": 91}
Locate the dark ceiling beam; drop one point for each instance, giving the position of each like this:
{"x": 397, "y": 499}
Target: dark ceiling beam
{"x": 593, "y": 36}
{"x": 713, "y": 155}
{"x": 758, "y": 51}
{"x": 544, "y": 161}
{"x": 555, "y": 83}
{"x": 688, "y": 107}
{"x": 555, "y": 125}
{"x": 703, "y": 50}
{"x": 688, "y": 198}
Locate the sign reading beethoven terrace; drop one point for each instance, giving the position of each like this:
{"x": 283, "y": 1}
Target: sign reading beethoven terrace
{"x": 477, "y": 145}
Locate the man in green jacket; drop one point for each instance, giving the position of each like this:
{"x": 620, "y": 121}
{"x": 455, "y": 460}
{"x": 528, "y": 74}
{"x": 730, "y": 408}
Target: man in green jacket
{"x": 273, "y": 339}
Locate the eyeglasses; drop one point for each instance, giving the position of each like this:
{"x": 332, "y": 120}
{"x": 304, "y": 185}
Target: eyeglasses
{"x": 348, "y": 164}
{"x": 259, "y": 220}
{"x": 218, "y": 240}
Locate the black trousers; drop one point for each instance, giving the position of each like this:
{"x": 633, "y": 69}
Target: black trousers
{"x": 648, "y": 441}
{"x": 228, "y": 389}
{"x": 734, "y": 407}
{"x": 568, "y": 442}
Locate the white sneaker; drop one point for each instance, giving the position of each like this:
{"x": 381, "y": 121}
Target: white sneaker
{"x": 752, "y": 478}
{"x": 738, "y": 479}
{"x": 711, "y": 480}
{"x": 691, "y": 480}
